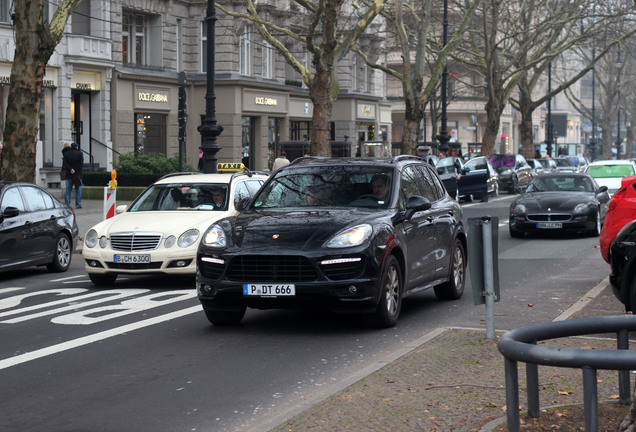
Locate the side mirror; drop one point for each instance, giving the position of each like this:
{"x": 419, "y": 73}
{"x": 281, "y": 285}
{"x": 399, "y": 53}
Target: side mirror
{"x": 414, "y": 204}
{"x": 121, "y": 209}
{"x": 9, "y": 212}
{"x": 601, "y": 189}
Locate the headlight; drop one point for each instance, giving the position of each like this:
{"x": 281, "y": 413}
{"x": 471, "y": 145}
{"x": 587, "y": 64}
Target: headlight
{"x": 188, "y": 238}
{"x": 91, "y": 238}
{"x": 507, "y": 172}
{"x": 170, "y": 240}
{"x": 581, "y": 208}
{"x": 354, "y": 236}
{"x": 103, "y": 242}
{"x": 520, "y": 209}
{"x": 214, "y": 237}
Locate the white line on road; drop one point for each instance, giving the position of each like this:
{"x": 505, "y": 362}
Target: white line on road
{"x": 34, "y": 355}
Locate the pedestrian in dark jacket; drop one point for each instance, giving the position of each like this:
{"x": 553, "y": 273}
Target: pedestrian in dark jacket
{"x": 72, "y": 161}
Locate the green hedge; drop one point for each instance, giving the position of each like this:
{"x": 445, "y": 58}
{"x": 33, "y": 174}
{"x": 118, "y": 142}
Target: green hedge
{"x": 142, "y": 170}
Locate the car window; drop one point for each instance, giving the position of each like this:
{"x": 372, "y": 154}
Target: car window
{"x": 241, "y": 192}
{"x": 476, "y": 164}
{"x": 253, "y": 186}
{"x": 33, "y": 198}
{"x": 500, "y": 161}
{"x": 330, "y": 186}
{"x": 12, "y": 198}
{"x": 609, "y": 171}
{"x": 564, "y": 163}
{"x": 561, "y": 184}
{"x": 182, "y": 196}
{"x": 409, "y": 185}
{"x": 446, "y": 166}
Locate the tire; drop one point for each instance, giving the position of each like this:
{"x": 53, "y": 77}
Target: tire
{"x": 596, "y": 231}
{"x": 484, "y": 197}
{"x": 103, "y": 279}
{"x": 61, "y": 255}
{"x": 468, "y": 198}
{"x": 514, "y": 233}
{"x": 390, "y": 305}
{"x": 221, "y": 318}
{"x": 453, "y": 289}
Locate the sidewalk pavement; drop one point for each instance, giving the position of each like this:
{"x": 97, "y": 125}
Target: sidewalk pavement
{"x": 451, "y": 379}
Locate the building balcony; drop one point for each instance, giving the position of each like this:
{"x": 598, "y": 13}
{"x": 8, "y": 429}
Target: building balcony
{"x": 90, "y": 49}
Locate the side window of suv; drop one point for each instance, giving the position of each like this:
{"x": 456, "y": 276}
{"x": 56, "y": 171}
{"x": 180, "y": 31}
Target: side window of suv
{"x": 408, "y": 185}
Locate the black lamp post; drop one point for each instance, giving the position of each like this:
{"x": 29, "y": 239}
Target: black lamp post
{"x": 209, "y": 130}
{"x": 549, "y": 138}
{"x": 593, "y": 139}
{"x": 443, "y": 136}
{"x": 618, "y": 102}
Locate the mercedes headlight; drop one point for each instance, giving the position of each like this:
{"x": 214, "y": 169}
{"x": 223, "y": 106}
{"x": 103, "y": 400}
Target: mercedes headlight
{"x": 188, "y": 238}
{"x": 91, "y": 239}
{"x": 214, "y": 237}
{"x": 349, "y": 237}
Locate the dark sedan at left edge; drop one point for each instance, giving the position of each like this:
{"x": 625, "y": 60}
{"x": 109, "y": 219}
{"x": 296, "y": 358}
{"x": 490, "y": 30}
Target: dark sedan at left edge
{"x": 559, "y": 202}
{"x": 347, "y": 235}
{"x": 35, "y": 228}
{"x": 622, "y": 259}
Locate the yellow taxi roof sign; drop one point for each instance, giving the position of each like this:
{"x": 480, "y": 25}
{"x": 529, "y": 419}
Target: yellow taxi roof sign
{"x": 230, "y": 167}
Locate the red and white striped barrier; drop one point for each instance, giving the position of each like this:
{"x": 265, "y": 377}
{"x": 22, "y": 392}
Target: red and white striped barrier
{"x": 110, "y": 201}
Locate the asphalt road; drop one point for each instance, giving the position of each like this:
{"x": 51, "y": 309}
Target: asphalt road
{"x": 142, "y": 356}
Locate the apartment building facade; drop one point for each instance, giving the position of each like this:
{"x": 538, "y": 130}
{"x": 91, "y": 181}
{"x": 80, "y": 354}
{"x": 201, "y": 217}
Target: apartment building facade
{"x": 112, "y": 85}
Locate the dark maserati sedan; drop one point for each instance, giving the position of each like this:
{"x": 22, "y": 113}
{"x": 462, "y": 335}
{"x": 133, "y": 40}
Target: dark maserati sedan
{"x": 35, "y": 228}
{"x": 559, "y": 202}
{"x": 622, "y": 259}
{"x": 347, "y": 235}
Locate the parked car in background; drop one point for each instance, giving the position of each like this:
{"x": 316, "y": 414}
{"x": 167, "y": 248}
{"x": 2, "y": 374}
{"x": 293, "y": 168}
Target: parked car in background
{"x": 35, "y": 228}
{"x": 536, "y": 166}
{"x": 622, "y": 255}
{"x": 160, "y": 231}
{"x": 610, "y": 173}
{"x": 549, "y": 165}
{"x": 559, "y": 202}
{"x": 581, "y": 162}
{"x": 475, "y": 189}
{"x": 620, "y": 211}
{"x": 514, "y": 172}
{"x": 347, "y": 235}
{"x": 565, "y": 164}
{"x": 460, "y": 182}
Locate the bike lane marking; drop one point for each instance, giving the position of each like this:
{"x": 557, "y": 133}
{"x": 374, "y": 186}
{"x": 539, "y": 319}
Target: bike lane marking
{"x": 106, "y": 334}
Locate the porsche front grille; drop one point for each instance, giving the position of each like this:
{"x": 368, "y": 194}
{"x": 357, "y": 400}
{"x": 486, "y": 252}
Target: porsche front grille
{"x": 271, "y": 268}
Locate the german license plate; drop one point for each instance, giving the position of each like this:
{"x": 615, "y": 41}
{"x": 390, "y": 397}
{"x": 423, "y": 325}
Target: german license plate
{"x": 549, "y": 225}
{"x": 269, "y": 290}
{"x": 131, "y": 259}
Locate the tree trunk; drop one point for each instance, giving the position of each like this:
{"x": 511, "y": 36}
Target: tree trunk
{"x": 491, "y": 132}
{"x": 320, "y": 132}
{"x": 525, "y": 129}
{"x": 412, "y": 117}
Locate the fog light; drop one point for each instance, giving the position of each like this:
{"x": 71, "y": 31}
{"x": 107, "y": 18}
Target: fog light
{"x": 92, "y": 263}
{"x": 181, "y": 264}
{"x": 353, "y": 289}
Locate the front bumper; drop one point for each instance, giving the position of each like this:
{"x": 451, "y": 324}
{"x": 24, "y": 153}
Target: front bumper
{"x": 575, "y": 224}
{"x": 176, "y": 262}
{"x": 349, "y": 289}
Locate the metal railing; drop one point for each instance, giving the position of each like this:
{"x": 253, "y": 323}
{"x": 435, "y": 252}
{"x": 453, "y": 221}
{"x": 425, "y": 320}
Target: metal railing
{"x": 521, "y": 345}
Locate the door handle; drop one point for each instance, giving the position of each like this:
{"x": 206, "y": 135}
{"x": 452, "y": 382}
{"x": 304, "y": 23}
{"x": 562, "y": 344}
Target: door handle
{"x": 430, "y": 218}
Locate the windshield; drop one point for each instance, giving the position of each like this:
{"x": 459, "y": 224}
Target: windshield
{"x": 561, "y": 184}
{"x": 182, "y": 196}
{"x": 328, "y": 186}
{"x": 502, "y": 161}
{"x": 610, "y": 171}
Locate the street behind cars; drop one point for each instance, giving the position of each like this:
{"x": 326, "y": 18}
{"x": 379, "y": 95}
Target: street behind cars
{"x": 35, "y": 228}
{"x": 559, "y": 202}
{"x": 347, "y": 235}
{"x": 160, "y": 231}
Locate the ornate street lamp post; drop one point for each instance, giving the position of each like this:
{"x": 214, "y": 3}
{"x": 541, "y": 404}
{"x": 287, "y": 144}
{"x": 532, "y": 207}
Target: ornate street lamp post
{"x": 549, "y": 140}
{"x": 443, "y": 136}
{"x": 209, "y": 130}
{"x": 618, "y": 102}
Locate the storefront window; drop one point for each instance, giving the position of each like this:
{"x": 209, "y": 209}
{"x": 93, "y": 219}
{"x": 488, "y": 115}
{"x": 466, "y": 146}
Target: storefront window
{"x": 299, "y": 130}
{"x": 46, "y": 130}
{"x": 150, "y": 134}
{"x": 273, "y": 137}
{"x": 247, "y": 142}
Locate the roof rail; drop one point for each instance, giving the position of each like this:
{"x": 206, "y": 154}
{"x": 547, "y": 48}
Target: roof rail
{"x": 405, "y": 157}
{"x": 178, "y": 173}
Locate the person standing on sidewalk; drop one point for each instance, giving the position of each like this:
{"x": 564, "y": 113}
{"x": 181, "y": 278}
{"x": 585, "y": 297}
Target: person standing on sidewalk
{"x": 72, "y": 161}
{"x": 280, "y": 161}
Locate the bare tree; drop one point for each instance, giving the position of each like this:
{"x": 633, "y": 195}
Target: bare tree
{"x": 328, "y": 29}
{"x": 35, "y": 43}
{"x": 423, "y": 57}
